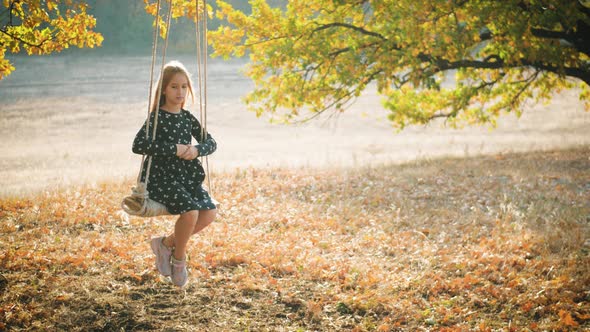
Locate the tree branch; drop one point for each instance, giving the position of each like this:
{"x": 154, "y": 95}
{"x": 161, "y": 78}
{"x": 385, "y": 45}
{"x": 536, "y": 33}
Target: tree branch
{"x": 527, "y": 82}
{"x": 579, "y": 39}
{"x": 581, "y": 73}
{"x": 348, "y": 26}
{"x": 351, "y": 3}
{"x": 345, "y": 98}
{"x": 337, "y": 52}
{"x": 513, "y": 101}
{"x": 262, "y": 41}
{"x": 24, "y": 41}
{"x": 544, "y": 33}
{"x": 443, "y": 64}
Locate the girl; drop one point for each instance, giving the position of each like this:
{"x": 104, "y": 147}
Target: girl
{"x": 176, "y": 175}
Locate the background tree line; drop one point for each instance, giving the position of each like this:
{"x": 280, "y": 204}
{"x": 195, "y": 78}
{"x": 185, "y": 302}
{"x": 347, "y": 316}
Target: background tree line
{"x": 128, "y": 29}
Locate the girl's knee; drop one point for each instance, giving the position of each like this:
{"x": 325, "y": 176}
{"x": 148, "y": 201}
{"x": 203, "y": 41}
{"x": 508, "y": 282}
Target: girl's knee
{"x": 192, "y": 214}
{"x": 207, "y": 216}
{"x": 210, "y": 214}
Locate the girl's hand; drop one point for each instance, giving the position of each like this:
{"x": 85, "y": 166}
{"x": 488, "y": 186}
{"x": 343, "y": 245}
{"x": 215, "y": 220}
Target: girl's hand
{"x": 181, "y": 149}
{"x": 190, "y": 153}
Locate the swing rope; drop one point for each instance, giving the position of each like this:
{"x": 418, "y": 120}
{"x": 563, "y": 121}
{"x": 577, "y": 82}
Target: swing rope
{"x": 159, "y": 94}
{"x": 139, "y": 203}
{"x": 154, "y": 48}
{"x": 201, "y": 38}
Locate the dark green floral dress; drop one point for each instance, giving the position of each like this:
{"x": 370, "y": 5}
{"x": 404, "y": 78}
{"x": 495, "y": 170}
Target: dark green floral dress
{"x": 175, "y": 182}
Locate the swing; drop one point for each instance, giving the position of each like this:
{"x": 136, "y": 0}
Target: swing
{"x": 139, "y": 203}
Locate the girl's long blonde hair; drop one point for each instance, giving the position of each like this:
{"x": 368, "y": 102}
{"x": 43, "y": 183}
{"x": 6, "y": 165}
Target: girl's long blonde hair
{"x": 170, "y": 69}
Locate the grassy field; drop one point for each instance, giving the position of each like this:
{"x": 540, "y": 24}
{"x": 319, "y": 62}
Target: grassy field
{"x": 478, "y": 244}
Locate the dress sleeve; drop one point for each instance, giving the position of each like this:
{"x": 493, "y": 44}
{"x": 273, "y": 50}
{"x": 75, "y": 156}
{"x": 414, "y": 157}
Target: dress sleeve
{"x": 145, "y": 146}
{"x": 207, "y": 144}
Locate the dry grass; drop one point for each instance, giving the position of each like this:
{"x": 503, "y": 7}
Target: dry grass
{"x": 482, "y": 244}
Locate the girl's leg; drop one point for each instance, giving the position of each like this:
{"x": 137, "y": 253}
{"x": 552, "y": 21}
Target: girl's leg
{"x": 204, "y": 219}
{"x": 182, "y": 232}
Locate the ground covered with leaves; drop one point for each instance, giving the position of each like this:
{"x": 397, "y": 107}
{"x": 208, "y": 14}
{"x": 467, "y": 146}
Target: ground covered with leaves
{"x": 478, "y": 244}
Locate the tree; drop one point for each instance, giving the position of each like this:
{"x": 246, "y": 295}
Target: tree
{"x": 43, "y": 27}
{"x": 466, "y": 61}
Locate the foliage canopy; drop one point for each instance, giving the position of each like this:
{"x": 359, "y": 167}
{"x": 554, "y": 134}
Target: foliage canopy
{"x": 467, "y": 61}
{"x": 44, "y": 27}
